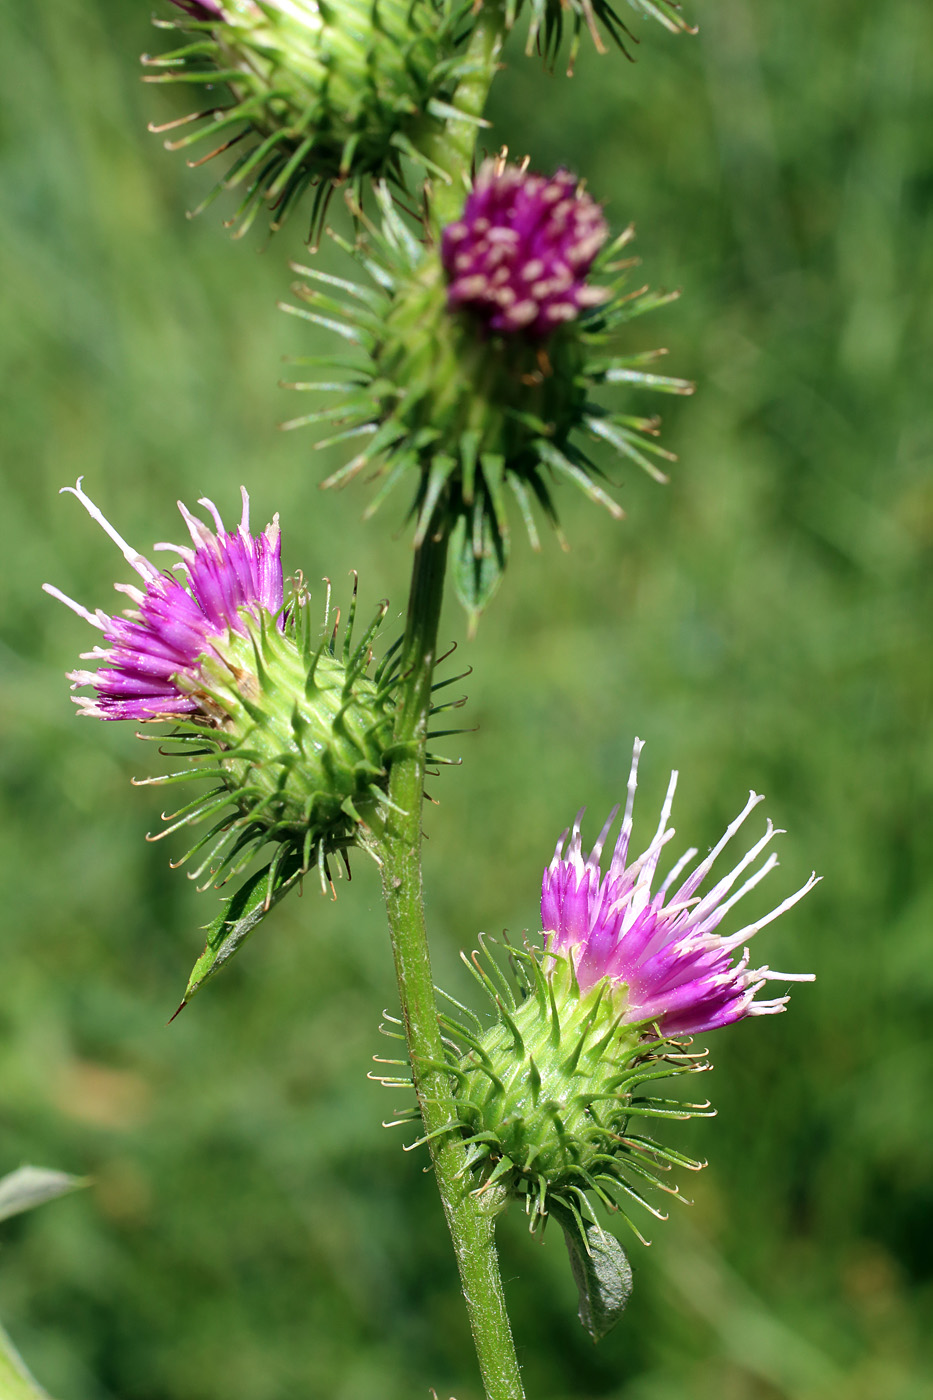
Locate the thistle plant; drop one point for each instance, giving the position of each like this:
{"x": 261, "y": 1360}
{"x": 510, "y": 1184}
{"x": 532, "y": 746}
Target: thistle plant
{"x": 484, "y": 355}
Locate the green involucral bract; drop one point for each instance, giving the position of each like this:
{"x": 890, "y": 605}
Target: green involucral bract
{"x": 297, "y": 736}
{"x": 548, "y": 21}
{"x": 549, "y": 1097}
{"x": 320, "y": 92}
{"x": 467, "y": 417}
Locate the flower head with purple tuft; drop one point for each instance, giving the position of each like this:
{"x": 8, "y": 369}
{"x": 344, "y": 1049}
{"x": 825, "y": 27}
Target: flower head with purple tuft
{"x": 154, "y": 668}
{"x": 294, "y": 733}
{"x": 661, "y": 949}
{"x": 556, "y": 1092}
{"x": 519, "y": 255}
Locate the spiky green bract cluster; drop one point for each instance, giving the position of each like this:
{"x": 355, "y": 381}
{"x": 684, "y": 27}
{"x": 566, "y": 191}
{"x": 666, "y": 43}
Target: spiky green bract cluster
{"x": 468, "y": 416}
{"x": 550, "y": 19}
{"x": 321, "y": 91}
{"x": 553, "y": 1097}
{"x": 295, "y": 734}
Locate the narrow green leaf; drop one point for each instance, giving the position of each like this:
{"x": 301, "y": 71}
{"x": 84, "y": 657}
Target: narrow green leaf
{"x": 29, "y": 1187}
{"x": 22, "y": 1190}
{"x": 476, "y": 575}
{"x": 601, "y": 1270}
{"x": 15, "y": 1381}
{"x": 239, "y": 917}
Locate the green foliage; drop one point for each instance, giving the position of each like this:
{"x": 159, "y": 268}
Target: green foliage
{"x": 23, "y": 1190}
{"x": 28, "y": 1187}
{"x": 600, "y": 1269}
{"x": 15, "y": 1381}
{"x": 320, "y": 93}
{"x": 252, "y": 1232}
{"x": 240, "y": 916}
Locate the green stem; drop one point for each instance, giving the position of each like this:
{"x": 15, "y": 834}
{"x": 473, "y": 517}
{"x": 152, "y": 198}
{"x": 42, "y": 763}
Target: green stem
{"x": 452, "y": 147}
{"x": 471, "y": 1219}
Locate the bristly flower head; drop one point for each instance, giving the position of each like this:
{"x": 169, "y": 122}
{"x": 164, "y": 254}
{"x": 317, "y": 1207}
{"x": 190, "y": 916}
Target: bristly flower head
{"x": 319, "y": 93}
{"x": 554, "y": 1095}
{"x": 660, "y": 950}
{"x": 519, "y": 256}
{"x": 293, "y": 733}
{"x": 477, "y": 360}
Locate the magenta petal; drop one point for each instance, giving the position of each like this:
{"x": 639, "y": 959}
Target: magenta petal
{"x": 658, "y": 948}
{"x": 180, "y": 618}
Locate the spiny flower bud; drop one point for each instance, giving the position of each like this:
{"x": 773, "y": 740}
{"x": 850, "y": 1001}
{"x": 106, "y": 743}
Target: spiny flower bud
{"x": 320, "y": 92}
{"x": 548, "y": 19}
{"x": 548, "y": 1094}
{"x": 518, "y": 259}
{"x": 479, "y": 359}
{"x": 291, "y": 732}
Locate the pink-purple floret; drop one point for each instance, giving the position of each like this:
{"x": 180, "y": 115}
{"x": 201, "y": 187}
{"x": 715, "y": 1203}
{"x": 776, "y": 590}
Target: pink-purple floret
{"x": 154, "y": 654}
{"x": 679, "y": 973}
{"x": 206, "y": 10}
{"x": 519, "y": 256}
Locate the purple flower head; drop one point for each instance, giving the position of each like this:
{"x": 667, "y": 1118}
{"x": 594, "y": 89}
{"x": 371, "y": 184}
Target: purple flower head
{"x": 662, "y": 947}
{"x": 519, "y": 256}
{"x": 154, "y": 661}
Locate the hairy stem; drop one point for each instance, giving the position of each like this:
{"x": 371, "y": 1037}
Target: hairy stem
{"x": 471, "y": 1219}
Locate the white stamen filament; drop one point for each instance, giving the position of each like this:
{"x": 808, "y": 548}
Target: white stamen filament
{"x": 131, "y": 591}
{"x": 593, "y": 858}
{"x": 752, "y": 929}
{"x": 653, "y": 853}
{"x": 185, "y": 553}
{"x": 200, "y": 534}
{"x": 685, "y": 859}
{"x": 750, "y": 884}
{"x": 706, "y": 865}
{"x": 98, "y": 619}
{"x": 132, "y": 556}
{"x": 767, "y": 975}
{"x": 209, "y": 505}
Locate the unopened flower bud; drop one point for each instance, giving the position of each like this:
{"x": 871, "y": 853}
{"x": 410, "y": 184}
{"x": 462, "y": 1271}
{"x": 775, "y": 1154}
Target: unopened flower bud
{"x": 480, "y": 359}
{"x": 519, "y": 257}
{"x": 319, "y": 93}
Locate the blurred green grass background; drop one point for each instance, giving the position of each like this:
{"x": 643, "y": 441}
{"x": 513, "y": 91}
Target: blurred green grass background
{"x": 252, "y": 1233}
